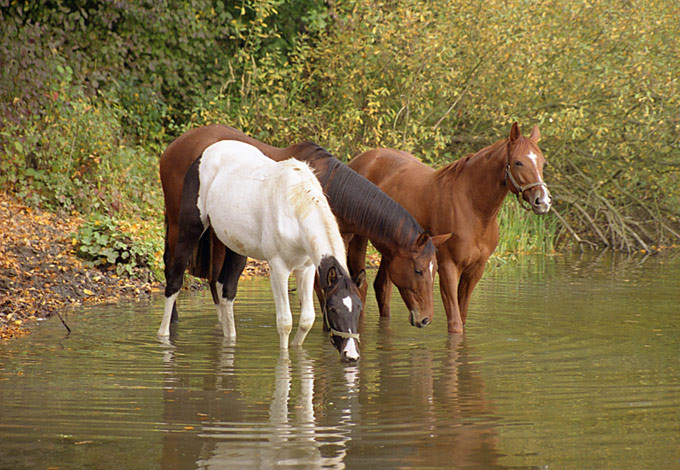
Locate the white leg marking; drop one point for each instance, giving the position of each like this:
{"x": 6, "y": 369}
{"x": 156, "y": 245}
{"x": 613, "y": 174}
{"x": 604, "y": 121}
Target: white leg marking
{"x": 284, "y": 317}
{"x": 164, "y": 329}
{"x": 228, "y": 326}
{"x": 305, "y": 281}
{"x": 220, "y": 312}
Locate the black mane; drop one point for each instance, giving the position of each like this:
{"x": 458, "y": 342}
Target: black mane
{"x": 356, "y": 200}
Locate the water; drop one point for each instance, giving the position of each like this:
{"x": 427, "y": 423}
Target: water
{"x": 566, "y": 362}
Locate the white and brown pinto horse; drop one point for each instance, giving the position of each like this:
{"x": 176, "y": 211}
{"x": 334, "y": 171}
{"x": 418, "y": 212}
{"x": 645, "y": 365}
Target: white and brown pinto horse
{"x": 270, "y": 211}
{"x": 464, "y": 198}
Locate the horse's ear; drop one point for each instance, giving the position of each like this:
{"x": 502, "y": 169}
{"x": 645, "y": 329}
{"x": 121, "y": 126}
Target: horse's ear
{"x": 360, "y": 278}
{"x": 535, "y": 134}
{"x": 331, "y": 276}
{"x": 423, "y": 238}
{"x": 514, "y": 132}
{"x": 439, "y": 239}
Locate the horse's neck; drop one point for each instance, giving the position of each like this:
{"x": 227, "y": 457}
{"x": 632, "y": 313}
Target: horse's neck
{"x": 481, "y": 181}
{"x": 323, "y": 236}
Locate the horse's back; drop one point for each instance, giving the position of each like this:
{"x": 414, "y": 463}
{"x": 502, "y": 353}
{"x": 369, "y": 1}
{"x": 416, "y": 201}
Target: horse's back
{"x": 182, "y": 151}
{"x": 382, "y": 164}
{"x": 234, "y": 155}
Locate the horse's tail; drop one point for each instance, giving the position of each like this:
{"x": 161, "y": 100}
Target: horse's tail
{"x": 201, "y": 259}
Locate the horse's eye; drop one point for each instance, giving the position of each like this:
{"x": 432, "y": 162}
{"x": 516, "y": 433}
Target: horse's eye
{"x": 518, "y": 163}
{"x": 419, "y": 272}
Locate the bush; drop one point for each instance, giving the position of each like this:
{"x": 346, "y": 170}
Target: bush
{"x": 105, "y": 243}
{"x": 443, "y": 79}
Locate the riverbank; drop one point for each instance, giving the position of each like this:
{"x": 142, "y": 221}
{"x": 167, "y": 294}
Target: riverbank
{"x": 40, "y": 274}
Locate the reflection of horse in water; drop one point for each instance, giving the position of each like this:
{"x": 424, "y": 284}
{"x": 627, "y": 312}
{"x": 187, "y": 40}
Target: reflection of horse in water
{"x": 232, "y": 433}
{"x": 453, "y": 422}
{"x": 289, "y": 439}
{"x": 426, "y": 407}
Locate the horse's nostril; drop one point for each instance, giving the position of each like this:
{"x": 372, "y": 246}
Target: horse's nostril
{"x": 425, "y": 321}
{"x": 537, "y": 202}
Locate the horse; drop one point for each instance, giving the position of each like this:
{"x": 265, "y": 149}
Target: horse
{"x": 464, "y": 197}
{"x": 361, "y": 209}
{"x": 271, "y": 211}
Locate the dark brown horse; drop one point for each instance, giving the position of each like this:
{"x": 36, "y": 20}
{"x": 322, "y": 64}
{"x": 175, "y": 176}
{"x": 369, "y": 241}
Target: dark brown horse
{"x": 408, "y": 251}
{"x": 463, "y": 197}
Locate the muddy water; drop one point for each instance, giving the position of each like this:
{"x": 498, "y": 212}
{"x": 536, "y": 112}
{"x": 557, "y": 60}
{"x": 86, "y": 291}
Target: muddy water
{"x": 567, "y": 362}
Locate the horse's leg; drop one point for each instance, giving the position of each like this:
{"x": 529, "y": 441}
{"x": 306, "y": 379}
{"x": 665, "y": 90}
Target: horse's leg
{"x": 383, "y": 289}
{"x": 305, "y": 287}
{"x": 192, "y": 228}
{"x": 189, "y": 230}
{"x": 356, "y": 261}
{"x": 217, "y": 260}
{"x": 448, "y": 286}
{"x": 284, "y": 318}
{"x": 465, "y": 288}
{"x": 226, "y": 286}
{"x": 170, "y": 241}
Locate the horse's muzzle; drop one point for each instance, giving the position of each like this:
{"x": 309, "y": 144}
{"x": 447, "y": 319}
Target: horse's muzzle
{"x": 418, "y": 324}
{"x": 350, "y": 352}
{"x": 542, "y": 202}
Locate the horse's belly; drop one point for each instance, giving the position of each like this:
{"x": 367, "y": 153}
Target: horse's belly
{"x": 241, "y": 246}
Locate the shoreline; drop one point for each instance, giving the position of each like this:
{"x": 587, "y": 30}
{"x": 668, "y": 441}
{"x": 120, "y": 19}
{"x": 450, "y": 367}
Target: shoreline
{"x": 41, "y": 275}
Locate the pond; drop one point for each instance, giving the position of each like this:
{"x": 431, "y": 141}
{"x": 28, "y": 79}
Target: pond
{"x": 566, "y": 362}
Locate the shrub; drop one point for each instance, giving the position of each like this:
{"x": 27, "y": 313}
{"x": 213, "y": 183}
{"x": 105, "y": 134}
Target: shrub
{"x": 103, "y": 241}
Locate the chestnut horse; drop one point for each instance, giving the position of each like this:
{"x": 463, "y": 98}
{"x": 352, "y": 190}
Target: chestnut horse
{"x": 408, "y": 251}
{"x": 464, "y": 197}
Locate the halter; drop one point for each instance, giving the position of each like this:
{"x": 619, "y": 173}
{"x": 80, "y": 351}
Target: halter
{"x": 520, "y": 189}
{"x": 332, "y": 331}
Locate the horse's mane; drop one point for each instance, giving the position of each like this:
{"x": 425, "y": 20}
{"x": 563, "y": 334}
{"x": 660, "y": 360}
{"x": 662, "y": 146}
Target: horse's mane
{"x": 306, "y": 195}
{"x": 356, "y": 199}
{"x": 449, "y": 173}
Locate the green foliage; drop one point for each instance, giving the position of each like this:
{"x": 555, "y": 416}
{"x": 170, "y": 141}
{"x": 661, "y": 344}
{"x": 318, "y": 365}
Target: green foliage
{"x": 102, "y": 241}
{"x": 99, "y": 89}
{"x": 443, "y": 79}
{"x": 523, "y": 232}
{"x": 600, "y": 78}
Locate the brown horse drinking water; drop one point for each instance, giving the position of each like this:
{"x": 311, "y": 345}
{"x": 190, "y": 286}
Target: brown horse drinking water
{"x": 360, "y": 207}
{"x": 463, "y": 197}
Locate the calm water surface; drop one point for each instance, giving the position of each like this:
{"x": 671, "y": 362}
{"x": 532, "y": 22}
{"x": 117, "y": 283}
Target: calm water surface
{"x": 566, "y": 362}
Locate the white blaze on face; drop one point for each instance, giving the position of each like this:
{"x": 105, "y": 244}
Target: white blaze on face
{"x": 534, "y": 159}
{"x": 348, "y": 302}
{"x": 432, "y": 268}
{"x": 544, "y": 197}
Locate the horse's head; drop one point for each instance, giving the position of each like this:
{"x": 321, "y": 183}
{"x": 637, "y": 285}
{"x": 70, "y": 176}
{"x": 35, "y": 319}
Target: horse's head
{"x": 342, "y": 306}
{"x": 524, "y": 170}
{"x": 412, "y": 271}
